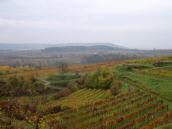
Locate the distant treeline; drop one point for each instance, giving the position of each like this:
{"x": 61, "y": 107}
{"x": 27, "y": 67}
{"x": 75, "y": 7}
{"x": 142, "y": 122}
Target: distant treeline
{"x": 97, "y": 58}
{"x": 53, "y": 56}
{"x": 70, "y": 49}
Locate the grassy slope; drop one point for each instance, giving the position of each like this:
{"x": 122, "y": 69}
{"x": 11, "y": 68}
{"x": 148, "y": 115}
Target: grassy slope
{"x": 157, "y": 80}
{"x": 161, "y": 87}
{"x": 157, "y": 84}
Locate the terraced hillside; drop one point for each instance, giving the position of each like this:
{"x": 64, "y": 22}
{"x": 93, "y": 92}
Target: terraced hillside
{"x": 78, "y": 99}
{"x": 135, "y": 94}
{"x": 135, "y": 109}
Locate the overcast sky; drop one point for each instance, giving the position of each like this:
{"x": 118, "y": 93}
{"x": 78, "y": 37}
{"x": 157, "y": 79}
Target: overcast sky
{"x": 131, "y": 23}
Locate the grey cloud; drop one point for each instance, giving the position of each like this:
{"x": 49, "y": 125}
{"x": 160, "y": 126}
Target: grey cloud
{"x": 134, "y": 23}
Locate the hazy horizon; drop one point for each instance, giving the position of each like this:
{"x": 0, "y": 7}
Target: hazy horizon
{"x": 140, "y": 24}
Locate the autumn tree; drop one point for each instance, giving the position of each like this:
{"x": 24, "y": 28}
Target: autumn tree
{"x": 116, "y": 87}
{"x": 101, "y": 79}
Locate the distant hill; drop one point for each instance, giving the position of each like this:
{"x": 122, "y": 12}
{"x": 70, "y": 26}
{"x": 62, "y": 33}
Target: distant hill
{"x": 41, "y": 55}
{"x": 32, "y": 46}
{"x": 93, "y": 48}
